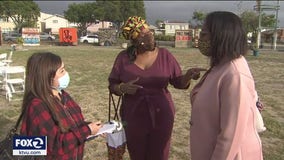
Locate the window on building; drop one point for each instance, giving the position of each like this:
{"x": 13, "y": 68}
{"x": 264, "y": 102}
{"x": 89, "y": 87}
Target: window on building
{"x": 55, "y": 21}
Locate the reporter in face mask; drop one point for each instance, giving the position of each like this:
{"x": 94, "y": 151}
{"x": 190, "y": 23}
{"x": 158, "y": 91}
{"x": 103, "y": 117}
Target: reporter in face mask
{"x": 50, "y": 111}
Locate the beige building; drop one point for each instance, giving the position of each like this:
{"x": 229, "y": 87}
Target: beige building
{"x": 52, "y": 23}
{"x": 46, "y": 23}
{"x": 6, "y": 25}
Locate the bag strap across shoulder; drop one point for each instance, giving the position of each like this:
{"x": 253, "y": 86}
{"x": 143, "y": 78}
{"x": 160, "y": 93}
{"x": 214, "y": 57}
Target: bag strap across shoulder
{"x": 19, "y": 119}
{"x": 15, "y": 128}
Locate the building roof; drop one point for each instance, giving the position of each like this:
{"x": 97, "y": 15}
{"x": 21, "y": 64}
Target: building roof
{"x": 174, "y": 21}
{"x": 55, "y": 15}
{"x": 152, "y": 27}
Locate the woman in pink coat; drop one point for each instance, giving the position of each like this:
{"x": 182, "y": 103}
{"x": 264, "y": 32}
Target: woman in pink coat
{"x": 223, "y": 106}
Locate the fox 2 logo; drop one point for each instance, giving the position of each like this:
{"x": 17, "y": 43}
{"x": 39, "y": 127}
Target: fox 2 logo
{"x": 30, "y": 142}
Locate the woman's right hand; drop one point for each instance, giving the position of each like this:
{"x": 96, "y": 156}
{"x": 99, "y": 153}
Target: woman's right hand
{"x": 129, "y": 87}
{"x": 94, "y": 127}
{"x": 194, "y": 73}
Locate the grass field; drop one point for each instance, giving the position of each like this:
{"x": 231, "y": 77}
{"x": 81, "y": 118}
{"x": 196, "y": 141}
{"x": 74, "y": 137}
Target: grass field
{"x": 89, "y": 67}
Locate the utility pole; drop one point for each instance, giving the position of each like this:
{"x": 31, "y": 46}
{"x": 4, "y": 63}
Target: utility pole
{"x": 258, "y": 8}
{"x": 275, "y": 27}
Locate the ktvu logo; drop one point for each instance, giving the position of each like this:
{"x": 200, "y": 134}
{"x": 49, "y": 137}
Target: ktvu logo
{"x": 29, "y": 145}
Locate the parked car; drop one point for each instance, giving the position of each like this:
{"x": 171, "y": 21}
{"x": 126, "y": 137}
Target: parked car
{"x": 4, "y": 34}
{"x": 12, "y": 36}
{"x": 46, "y": 36}
{"x": 89, "y": 39}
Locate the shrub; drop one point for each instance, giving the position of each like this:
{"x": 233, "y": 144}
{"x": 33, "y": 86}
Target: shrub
{"x": 160, "y": 37}
{"x": 20, "y": 40}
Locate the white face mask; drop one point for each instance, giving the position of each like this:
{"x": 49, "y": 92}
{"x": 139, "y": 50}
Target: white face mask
{"x": 63, "y": 81}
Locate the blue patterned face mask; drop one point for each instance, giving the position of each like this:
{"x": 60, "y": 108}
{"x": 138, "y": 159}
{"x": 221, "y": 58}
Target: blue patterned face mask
{"x": 63, "y": 81}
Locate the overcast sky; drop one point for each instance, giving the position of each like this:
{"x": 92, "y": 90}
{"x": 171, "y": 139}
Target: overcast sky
{"x": 176, "y": 10}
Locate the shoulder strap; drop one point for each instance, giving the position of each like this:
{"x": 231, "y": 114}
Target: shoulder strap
{"x": 19, "y": 119}
{"x": 15, "y": 128}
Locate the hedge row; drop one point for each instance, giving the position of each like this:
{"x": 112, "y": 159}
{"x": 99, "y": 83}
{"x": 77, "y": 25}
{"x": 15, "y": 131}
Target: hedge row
{"x": 160, "y": 37}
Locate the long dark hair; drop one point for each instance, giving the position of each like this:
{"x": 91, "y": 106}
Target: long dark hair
{"x": 227, "y": 35}
{"x": 40, "y": 72}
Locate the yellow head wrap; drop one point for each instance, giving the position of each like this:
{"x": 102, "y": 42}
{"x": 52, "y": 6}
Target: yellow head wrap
{"x": 133, "y": 26}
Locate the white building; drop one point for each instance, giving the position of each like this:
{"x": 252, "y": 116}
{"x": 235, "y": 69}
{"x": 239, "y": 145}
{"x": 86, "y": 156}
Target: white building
{"x": 170, "y": 27}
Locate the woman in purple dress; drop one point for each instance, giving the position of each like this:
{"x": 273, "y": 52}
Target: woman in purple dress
{"x": 141, "y": 73}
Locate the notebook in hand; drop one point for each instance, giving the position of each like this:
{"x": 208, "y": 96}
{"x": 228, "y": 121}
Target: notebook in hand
{"x": 106, "y": 128}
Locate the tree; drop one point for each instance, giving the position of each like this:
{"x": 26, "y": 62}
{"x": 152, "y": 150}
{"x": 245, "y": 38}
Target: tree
{"x": 250, "y": 22}
{"x": 83, "y": 14}
{"x": 268, "y": 20}
{"x": 121, "y": 10}
{"x": 22, "y": 13}
{"x": 159, "y": 22}
{"x": 118, "y": 11}
{"x": 132, "y": 8}
{"x": 198, "y": 17}
{"x": 110, "y": 10}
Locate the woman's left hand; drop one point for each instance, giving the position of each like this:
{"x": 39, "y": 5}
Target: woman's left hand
{"x": 94, "y": 127}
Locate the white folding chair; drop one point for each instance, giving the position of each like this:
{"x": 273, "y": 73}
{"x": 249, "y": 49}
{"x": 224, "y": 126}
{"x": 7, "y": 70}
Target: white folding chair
{"x": 2, "y": 76}
{"x": 8, "y": 60}
{"x": 3, "y": 57}
{"x": 14, "y": 80}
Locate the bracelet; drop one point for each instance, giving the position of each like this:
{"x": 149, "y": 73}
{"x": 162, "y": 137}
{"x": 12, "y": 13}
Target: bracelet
{"x": 119, "y": 88}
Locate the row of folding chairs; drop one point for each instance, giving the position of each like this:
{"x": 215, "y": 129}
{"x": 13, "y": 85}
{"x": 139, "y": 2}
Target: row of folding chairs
{"x": 12, "y": 78}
